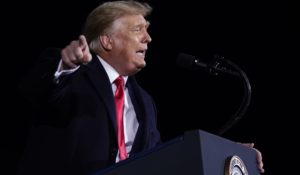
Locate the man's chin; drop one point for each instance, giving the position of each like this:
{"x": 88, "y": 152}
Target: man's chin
{"x": 141, "y": 65}
{"x": 137, "y": 69}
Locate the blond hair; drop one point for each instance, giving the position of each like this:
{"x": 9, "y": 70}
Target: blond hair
{"x": 102, "y": 17}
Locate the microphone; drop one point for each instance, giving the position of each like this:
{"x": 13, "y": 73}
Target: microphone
{"x": 190, "y": 62}
{"x": 216, "y": 66}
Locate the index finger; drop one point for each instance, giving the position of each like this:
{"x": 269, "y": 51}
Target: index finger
{"x": 82, "y": 42}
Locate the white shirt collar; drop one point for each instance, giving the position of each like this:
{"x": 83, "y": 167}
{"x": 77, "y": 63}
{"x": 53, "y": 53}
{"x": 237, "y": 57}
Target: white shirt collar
{"x": 111, "y": 72}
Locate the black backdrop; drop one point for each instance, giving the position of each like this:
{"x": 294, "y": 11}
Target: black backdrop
{"x": 251, "y": 34}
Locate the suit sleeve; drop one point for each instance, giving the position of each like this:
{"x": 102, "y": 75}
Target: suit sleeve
{"x": 38, "y": 83}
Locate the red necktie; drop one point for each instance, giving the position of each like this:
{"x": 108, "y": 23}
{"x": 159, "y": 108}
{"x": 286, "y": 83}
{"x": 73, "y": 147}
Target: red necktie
{"x": 119, "y": 101}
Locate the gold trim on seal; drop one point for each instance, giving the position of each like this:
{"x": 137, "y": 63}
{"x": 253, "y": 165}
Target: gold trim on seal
{"x": 235, "y": 166}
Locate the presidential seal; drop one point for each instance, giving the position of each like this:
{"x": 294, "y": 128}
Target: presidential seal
{"x": 235, "y": 166}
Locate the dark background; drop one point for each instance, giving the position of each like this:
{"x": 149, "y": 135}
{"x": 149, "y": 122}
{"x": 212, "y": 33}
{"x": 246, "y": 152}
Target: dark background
{"x": 252, "y": 34}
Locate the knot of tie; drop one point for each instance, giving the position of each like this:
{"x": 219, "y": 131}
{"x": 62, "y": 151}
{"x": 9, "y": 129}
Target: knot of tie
{"x": 119, "y": 81}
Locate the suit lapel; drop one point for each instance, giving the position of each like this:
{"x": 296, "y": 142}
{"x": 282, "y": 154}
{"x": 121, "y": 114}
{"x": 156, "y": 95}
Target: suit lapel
{"x": 99, "y": 79}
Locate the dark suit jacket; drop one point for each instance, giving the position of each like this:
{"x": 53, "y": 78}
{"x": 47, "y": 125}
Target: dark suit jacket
{"x": 74, "y": 128}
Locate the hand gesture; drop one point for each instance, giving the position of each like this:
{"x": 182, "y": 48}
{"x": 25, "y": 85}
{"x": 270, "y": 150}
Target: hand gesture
{"x": 76, "y": 53}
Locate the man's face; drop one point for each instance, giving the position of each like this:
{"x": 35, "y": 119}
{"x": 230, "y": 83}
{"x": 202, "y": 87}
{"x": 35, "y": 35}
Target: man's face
{"x": 129, "y": 44}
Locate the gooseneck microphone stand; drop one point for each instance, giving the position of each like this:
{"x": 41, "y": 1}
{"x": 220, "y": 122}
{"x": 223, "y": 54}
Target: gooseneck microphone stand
{"x": 217, "y": 66}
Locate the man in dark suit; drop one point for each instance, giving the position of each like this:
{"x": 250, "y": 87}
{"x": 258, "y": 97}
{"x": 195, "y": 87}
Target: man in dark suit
{"x": 75, "y": 129}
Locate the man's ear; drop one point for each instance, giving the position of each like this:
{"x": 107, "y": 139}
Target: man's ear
{"x": 106, "y": 42}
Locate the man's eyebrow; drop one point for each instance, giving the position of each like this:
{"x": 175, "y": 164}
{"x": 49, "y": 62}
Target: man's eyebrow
{"x": 144, "y": 25}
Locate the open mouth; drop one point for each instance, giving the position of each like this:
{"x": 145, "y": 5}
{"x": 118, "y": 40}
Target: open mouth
{"x": 142, "y": 52}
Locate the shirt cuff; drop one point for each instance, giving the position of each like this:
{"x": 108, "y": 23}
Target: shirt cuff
{"x": 60, "y": 72}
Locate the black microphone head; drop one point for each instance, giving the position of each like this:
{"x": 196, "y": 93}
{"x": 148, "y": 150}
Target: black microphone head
{"x": 186, "y": 61}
